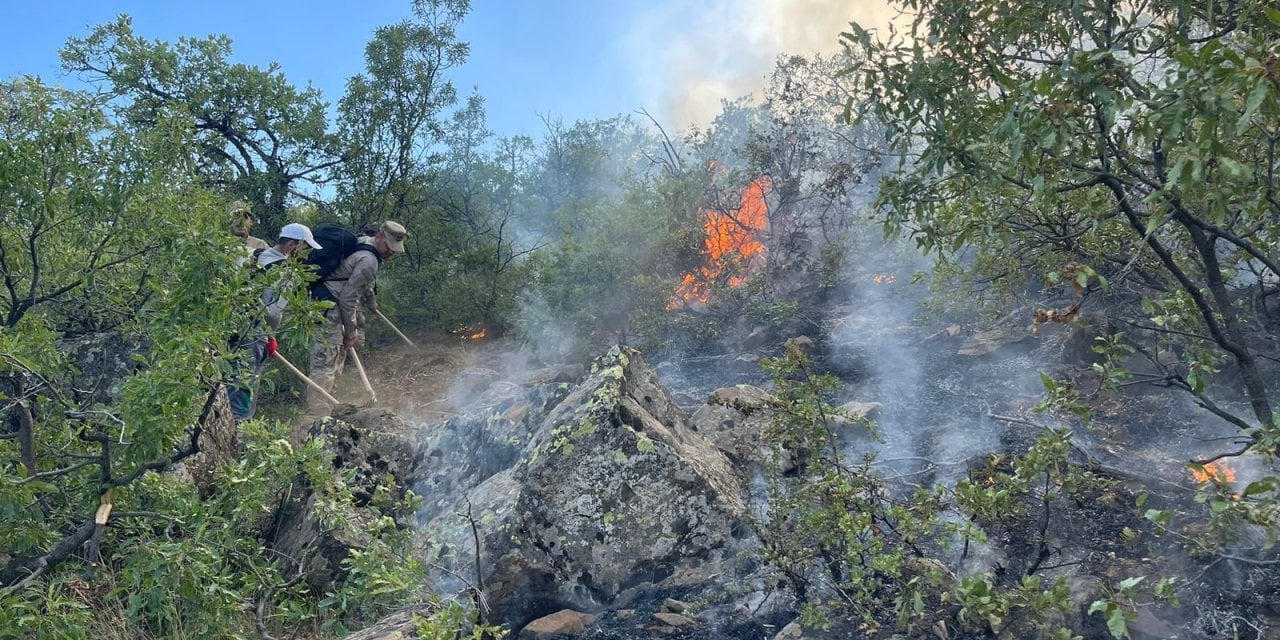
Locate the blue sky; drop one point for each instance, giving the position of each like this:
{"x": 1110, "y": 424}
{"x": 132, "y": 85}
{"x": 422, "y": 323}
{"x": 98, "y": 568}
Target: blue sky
{"x": 575, "y": 59}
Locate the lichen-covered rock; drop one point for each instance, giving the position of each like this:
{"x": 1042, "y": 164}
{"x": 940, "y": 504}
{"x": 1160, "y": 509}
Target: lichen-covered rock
{"x": 734, "y": 420}
{"x": 219, "y": 446}
{"x": 104, "y": 360}
{"x": 366, "y": 444}
{"x": 374, "y": 445}
{"x": 579, "y": 494}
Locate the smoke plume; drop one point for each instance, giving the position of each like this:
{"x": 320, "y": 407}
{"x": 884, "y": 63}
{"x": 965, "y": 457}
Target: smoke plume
{"x": 691, "y": 56}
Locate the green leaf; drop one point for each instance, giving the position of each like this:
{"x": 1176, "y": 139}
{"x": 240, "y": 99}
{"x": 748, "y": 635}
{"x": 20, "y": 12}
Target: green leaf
{"x": 1259, "y": 487}
{"x": 1252, "y": 103}
{"x": 1156, "y": 221}
{"x": 1195, "y": 382}
{"x": 1117, "y": 624}
{"x": 1160, "y": 517}
{"x": 1129, "y": 583}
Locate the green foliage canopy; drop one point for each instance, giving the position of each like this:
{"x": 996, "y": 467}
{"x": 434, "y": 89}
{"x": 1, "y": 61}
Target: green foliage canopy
{"x": 255, "y": 134}
{"x": 1135, "y": 139}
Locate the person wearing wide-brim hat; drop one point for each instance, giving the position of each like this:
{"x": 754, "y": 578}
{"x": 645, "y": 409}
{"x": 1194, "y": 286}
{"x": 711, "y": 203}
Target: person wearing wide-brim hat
{"x": 351, "y": 282}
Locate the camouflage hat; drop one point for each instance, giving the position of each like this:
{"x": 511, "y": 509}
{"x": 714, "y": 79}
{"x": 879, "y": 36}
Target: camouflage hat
{"x": 239, "y": 210}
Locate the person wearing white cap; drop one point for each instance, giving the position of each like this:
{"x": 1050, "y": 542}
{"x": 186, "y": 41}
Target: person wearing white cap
{"x": 291, "y": 239}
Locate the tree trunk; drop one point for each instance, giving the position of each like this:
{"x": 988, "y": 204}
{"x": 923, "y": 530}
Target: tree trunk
{"x": 1245, "y": 362}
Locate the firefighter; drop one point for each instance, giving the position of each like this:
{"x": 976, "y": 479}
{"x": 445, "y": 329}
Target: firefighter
{"x": 350, "y": 283}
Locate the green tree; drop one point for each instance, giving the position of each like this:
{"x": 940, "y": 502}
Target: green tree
{"x": 469, "y": 258}
{"x": 68, "y": 192}
{"x": 255, "y": 134}
{"x": 1098, "y": 142}
{"x": 390, "y": 119}
{"x": 619, "y": 228}
{"x": 105, "y": 224}
{"x": 859, "y": 549}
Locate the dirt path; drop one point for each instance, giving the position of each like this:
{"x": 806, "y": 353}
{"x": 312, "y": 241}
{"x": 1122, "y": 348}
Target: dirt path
{"x": 428, "y": 384}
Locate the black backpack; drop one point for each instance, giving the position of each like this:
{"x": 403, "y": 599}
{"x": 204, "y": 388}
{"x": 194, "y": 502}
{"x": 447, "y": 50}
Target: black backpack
{"x": 336, "y": 243}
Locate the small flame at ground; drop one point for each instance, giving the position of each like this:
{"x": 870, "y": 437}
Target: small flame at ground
{"x": 883, "y": 278}
{"x": 470, "y": 333}
{"x": 1216, "y": 471}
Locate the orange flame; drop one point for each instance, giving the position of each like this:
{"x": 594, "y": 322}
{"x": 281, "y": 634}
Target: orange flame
{"x": 883, "y": 278}
{"x": 470, "y": 333}
{"x": 1217, "y": 471}
{"x": 732, "y": 235}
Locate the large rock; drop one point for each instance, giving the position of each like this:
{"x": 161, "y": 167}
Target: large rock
{"x": 219, "y": 446}
{"x": 580, "y": 496}
{"x": 104, "y": 360}
{"x": 368, "y": 445}
{"x": 734, "y": 420}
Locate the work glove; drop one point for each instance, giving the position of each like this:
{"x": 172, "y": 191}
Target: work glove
{"x": 272, "y": 347}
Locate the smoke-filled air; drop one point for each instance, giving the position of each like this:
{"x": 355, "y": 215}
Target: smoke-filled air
{"x": 897, "y": 321}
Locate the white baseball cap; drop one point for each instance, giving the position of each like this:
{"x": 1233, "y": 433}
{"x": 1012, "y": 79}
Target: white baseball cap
{"x": 295, "y": 231}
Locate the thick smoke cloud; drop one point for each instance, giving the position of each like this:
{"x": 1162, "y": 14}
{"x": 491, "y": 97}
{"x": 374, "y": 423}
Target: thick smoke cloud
{"x": 690, "y": 56}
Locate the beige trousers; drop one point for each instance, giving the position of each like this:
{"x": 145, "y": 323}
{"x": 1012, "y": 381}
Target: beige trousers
{"x": 327, "y": 358}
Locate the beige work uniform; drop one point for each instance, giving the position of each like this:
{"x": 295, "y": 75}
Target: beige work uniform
{"x": 350, "y": 282}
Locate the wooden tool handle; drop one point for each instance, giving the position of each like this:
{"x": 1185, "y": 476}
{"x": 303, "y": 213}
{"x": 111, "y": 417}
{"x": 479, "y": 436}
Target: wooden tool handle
{"x": 311, "y": 383}
{"x": 397, "y": 330}
{"x": 363, "y": 377}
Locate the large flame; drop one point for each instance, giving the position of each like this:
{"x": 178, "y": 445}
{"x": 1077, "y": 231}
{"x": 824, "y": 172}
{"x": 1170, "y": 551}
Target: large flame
{"x": 732, "y": 240}
{"x": 1216, "y": 471}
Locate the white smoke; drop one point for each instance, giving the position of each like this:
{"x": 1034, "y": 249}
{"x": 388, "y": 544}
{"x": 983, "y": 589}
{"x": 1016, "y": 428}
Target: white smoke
{"x": 690, "y": 56}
